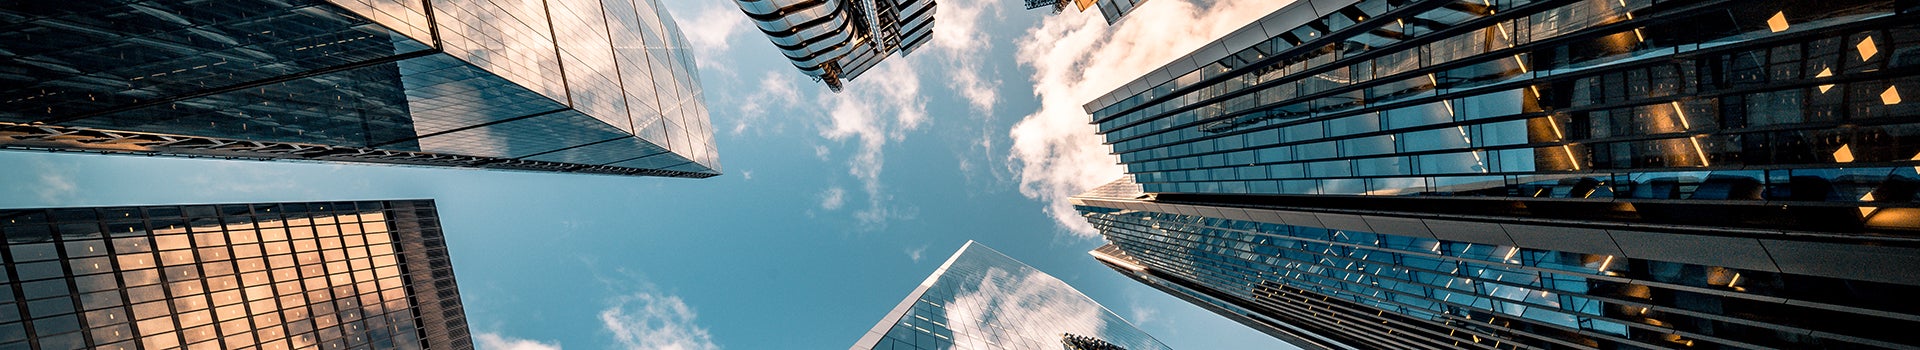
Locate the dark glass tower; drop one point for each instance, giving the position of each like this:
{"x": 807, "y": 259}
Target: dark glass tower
{"x": 274, "y": 276}
{"x": 587, "y": 86}
{"x": 981, "y": 299}
{"x": 1533, "y": 174}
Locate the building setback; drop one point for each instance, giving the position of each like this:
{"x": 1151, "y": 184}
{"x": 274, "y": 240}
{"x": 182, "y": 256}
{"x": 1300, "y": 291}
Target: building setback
{"x": 981, "y": 299}
{"x": 835, "y": 41}
{"x": 271, "y": 276}
{"x": 586, "y": 86}
{"x": 1595, "y": 174}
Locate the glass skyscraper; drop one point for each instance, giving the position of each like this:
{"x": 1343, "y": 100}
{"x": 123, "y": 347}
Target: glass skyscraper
{"x": 1112, "y": 10}
{"x": 834, "y": 41}
{"x": 271, "y": 276}
{"x": 585, "y": 86}
{"x": 1606, "y": 174}
{"x": 981, "y": 299}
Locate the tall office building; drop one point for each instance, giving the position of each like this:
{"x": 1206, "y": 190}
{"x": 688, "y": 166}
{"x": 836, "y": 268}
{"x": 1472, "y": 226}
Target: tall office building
{"x": 981, "y": 299}
{"x": 1112, "y": 10}
{"x": 1533, "y": 174}
{"x": 835, "y": 41}
{"x": 585, "y": 86}
{"x": 272, "y": 276}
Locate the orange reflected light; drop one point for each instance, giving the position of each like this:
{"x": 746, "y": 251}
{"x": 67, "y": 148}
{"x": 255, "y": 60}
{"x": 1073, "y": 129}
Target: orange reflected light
{"x": 1866, "y": 48}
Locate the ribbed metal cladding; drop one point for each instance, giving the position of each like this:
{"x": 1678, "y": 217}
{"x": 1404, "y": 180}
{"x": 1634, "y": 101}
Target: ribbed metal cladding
{"x": 836, "y": 41}
{"x": 430, "y": 276}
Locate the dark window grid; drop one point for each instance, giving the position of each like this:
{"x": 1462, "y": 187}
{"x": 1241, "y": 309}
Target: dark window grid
{"x": 1708, "y": 95}
{"x": 1299, "y": 306}
{"x": 1505, "y": 54}
{"x": 1647, "y": 303}
{"x": 1358, "y": 298}
{"x": 1293, "y": 52}
{"x": 1307, "y": 52}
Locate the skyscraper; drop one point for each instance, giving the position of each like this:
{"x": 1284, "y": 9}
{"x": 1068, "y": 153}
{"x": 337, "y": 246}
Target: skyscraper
{"x": 1531, "y": 174}
{"x": 981, "y": 299}
{"x": 1112, "y": 10}
{"x": 835, "y": 41}
{"x": 609, "y": 89}
{"x": 271, "y": 276}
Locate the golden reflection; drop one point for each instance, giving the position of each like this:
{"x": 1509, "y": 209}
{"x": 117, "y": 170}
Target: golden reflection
{"x": 1778, "y": 23}
{"x": 1825, "y": 72}
{"x": 1843, "y": 155}
{"x": 1867, "y": 211}
{"x": 1867, "y": 49}
{"x": 1891, "y": 96}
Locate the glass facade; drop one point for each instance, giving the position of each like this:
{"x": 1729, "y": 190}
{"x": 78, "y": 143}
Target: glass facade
{"x": 1746, "y": 105}
{"x": 835, "y": 41}
{"x": 1309, "y": 279}
{"x": 339, "y": 275}
{"x": 981, "y": 299}
{"x": 1112, "y": 10}
{"x": 449, "y": 83}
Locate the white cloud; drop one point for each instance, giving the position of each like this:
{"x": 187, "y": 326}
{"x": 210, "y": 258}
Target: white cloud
{"x": 746, "y": 174}
{"x": 833, "y": 198}
{"x": 917, "y": 253}
{"x": 1143, "y": 313}
{"x": 647, "y": 321}
{"x": 492, "y": 341}
{"x": 777, "y": 92}
{"x": 958, "y": 43}
{"x": 710, "y": 29}
{"x": 860, "y": 115}
{"x": 1076, "y": 58}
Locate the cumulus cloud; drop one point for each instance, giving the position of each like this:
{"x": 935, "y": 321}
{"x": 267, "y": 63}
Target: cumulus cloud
{"x": 648, "y": 321}
{"x": 880, "y": 108}
{"x": 833, "y": 198}
{"x": 958, "y": 43}
{"x": 494, "y": 341}
{"x": 1076, "y": 58}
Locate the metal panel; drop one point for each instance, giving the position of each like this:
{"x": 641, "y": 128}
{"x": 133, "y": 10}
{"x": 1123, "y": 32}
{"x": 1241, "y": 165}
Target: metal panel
{"x": 1470, "y": 231}
{"x": 1208, "y": 54}
{"x": 1344, "y": 222}
{"x": 1743, "y": 253}
{"x": 1326, "y": 7}
{"x": 1235, "y": 214}
{"x": 1301, "y": 219}
{"x": 1571, "y": 239}
{"x": 1847, "y": 261}
{"x": 1243, "y": 38}
{"x": 1271, "y": 217}
{"x": 1398, "y": 226}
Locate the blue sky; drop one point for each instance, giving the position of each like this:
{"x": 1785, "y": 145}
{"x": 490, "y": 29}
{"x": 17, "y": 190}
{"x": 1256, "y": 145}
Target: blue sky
{"x": 833, "y": 206}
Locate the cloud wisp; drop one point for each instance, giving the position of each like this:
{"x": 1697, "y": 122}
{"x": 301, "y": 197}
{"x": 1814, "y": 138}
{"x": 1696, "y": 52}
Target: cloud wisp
{"x": 649, "y": 321}
{"x": 833, "y": 198}
{"x": 495, "y": 341}
{"x": 882, "y": 108}
{"x": 710, "y": 29}
{"x": 1076, "y": 58}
